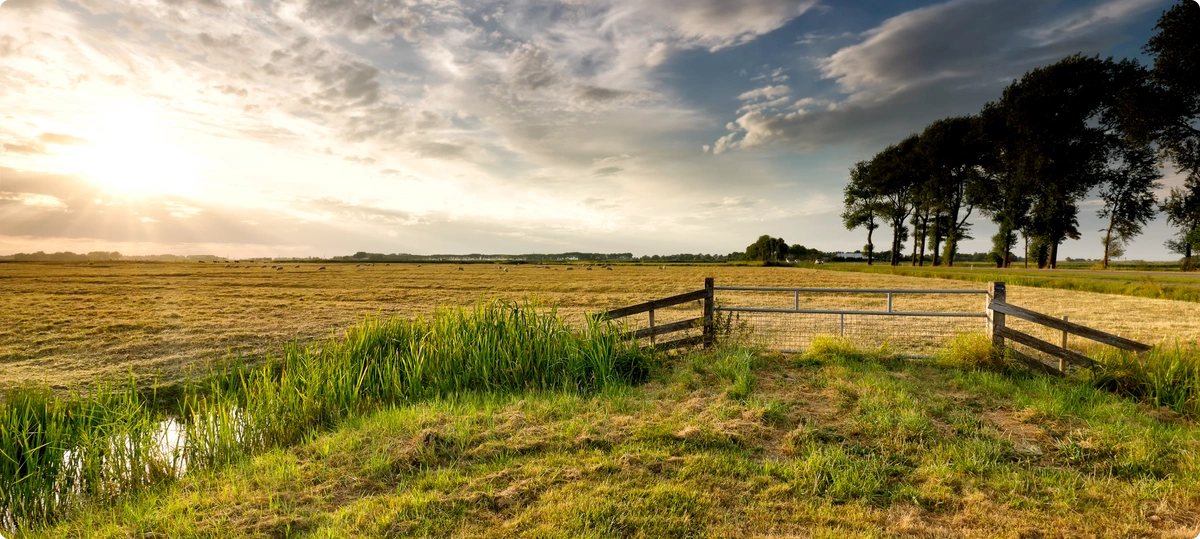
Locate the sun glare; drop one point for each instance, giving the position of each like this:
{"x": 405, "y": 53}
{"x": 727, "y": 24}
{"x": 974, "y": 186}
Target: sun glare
{"x": 132, "y": 153}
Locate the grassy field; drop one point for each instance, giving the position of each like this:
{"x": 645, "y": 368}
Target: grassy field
{"x": 1142, "y": 280}
{"x": 835, "y": 443}
{"x": 501, "y": 420}
{"x": 72, "y": 324}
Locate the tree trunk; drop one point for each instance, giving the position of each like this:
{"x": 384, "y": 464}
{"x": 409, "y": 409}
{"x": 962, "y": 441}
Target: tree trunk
{"x": 1026, "y": 238}
{"x": 924, "y": 233}
{"x": 870, "y": 246}
{"x": 937, "y": 241}
{"x": 1008, "y": 247}
{"x": 1054, "y": 255}
{"x": 1108, "y": 241}
{"x": 896, "y": 243}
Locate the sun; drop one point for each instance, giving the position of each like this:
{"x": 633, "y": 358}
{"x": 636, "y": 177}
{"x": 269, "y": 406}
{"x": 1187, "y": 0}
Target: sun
{"x": 132, "y": 152}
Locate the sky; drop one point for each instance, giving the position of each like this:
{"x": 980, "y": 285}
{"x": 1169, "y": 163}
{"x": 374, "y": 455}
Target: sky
{"x": 325, "y": 127}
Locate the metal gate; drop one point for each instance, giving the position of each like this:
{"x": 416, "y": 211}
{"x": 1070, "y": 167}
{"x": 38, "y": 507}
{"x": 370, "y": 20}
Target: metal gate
{"x": 913, "y": 322}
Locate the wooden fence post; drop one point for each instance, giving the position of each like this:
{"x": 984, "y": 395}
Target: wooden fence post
{"x": 710, "y": 330}
{"x": 995, "y": 320}
{"x": 1062, "y": 363}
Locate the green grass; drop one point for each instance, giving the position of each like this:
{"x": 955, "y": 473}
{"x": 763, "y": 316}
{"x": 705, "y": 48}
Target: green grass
{"x": 836, "y": 443}
{"x": 1168, "y": 375}
{"x": 57, "y": 453}
{"x": 1182, "y": 288}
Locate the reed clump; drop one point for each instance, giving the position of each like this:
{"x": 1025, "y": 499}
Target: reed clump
{"x": 57, "y": 452}
{"x": 1167, "y": 375}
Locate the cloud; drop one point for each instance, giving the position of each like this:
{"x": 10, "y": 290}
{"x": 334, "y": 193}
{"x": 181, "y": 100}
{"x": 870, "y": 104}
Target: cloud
{"x": 24, "y": 5}
{"x": 718, "y": 24}
{"x": 769, "y": 92}
{"x": 363, "y": 19}
{"x": 928, "y": 63}
{"x": 344, "y": 210}
{"x": 732, "y": 203}
{"x": 24, "y": 148}
{"x": 61, "y": 139}
{"x": 35, "y": 200}
{"x": 607, "y": 171}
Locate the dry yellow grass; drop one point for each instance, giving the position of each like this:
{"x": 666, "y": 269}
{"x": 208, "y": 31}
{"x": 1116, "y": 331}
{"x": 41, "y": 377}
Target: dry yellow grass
{"x": 70, "y": 324}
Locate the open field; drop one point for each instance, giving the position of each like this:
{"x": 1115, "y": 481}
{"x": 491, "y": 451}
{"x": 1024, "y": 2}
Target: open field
{"x": 1147, "y": 283}
{"x": 731, "y": 444}
{"x": 70, "y": 324}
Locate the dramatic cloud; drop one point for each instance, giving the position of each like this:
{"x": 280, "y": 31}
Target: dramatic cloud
{"x": 931, "y": 62}
{"x": 448, "y": 125}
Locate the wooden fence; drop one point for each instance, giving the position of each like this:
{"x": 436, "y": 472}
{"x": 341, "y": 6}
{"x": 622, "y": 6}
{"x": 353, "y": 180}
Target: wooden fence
{"x": 998, "y": 308}
{"x": 705, "y": 321}
{"x": 996, "y": 312}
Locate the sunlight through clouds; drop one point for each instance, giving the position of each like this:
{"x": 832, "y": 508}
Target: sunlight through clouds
{"x": 503, "y": 125}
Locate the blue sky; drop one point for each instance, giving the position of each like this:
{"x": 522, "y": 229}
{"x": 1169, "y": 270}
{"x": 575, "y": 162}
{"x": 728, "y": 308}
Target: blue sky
{"x": 321, "y": 127}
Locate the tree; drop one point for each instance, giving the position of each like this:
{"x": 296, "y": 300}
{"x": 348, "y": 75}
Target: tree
{"x": 863, "y": 205}
{"x": 1175, "y": 109}
{"x": 798, "y": 252}
{"x": 1175, "y": 112}
{"x": 1056, "y": 132}
{"x": 1128, "y": 196}
{"x": 1004, "y": 188}
{"x": 954, "y": 149}
{"x": 1182, "y": 208}
{"x": 895, "y": 173}
{"x": 767, "y": 249}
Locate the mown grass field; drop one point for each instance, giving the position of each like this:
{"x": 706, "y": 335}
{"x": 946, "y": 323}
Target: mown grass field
{"x": 72, "y": 324}
{"x": 835, "y": 443}
{"x": 500, "y": 421}
{"x": 1139, "y": 280}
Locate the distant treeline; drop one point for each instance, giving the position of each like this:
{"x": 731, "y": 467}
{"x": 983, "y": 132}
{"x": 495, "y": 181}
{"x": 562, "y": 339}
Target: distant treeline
{"x": 799, "y": 254}
{"x": 540, "y": 257}
{"x": 68, "y": 256}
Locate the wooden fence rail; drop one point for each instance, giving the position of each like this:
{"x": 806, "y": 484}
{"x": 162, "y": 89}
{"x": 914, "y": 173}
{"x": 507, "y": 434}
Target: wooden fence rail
{"x": 998, "y": 308}
{"x": 705, "y": 321}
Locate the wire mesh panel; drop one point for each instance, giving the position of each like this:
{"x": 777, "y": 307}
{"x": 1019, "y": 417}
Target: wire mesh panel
{"x": 909, "y": 322}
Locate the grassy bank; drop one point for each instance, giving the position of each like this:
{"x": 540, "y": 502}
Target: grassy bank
{"x": 836, "y": 443}
{"x": 1182, "y": 288}
{"x": 58, "y": 453}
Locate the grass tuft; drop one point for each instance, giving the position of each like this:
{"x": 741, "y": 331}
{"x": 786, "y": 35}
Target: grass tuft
{"x": 843, "y": 349}
{"x": 1167, "y": 375}
{"x": 975, "y": 351}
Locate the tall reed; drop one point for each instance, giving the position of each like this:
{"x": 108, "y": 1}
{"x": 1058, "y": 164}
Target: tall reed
{"x": 56, "y": 453}
{"x": 1164, "y": 376}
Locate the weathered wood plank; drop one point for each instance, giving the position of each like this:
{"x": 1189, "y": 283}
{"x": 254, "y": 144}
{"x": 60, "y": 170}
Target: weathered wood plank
{"x": 1043, "y": 346}
{"x": 663, "y": 329}
{"x": 654, "y": 304}
{"x": 1069, "y": 327}
{"x": 680, "y": 343}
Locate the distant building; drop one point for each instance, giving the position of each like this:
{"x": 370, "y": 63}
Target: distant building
{"x": 850, "y": 256}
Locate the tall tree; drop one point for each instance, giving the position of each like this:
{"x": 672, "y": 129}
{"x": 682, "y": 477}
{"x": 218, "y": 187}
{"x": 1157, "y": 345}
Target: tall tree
{"x": 1005, "y": 189}
{"x": 895, "y": 173}
{"x": 863, "y": 205}
{"x": 1128, "y": 196}
{"x": 954, "y": 149}
{"x": 1182, "y": 208}
{"x": 1175, "y": 47}
{"x": 1057, "y": 130}
{"x": 1175, "y": 113}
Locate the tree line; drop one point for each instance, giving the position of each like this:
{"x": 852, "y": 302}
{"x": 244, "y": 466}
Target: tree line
{"x": 1062, "y": 133}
